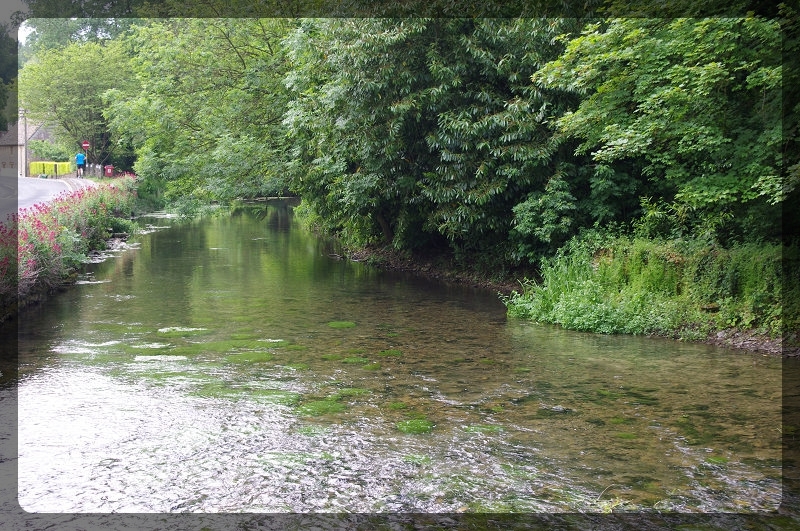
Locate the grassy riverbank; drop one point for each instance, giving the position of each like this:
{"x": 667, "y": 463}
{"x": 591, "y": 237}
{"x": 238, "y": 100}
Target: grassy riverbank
{"x": 42, "y": 246}
{"x": 741, "y": 296}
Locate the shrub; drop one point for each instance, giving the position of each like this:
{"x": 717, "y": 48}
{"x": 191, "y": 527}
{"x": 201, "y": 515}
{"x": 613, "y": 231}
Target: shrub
{"x": 676, "y": 287}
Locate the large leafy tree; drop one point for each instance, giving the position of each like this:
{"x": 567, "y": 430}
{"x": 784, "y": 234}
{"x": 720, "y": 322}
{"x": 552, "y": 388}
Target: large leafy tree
{"x": 413, "y": 131}
{"x": 206, "y": 117}
{"x": 65, "y": 87}
{"x": 49, "y": 33}
{"x": 694, "y": 105}
{"x": 8, "y": 74}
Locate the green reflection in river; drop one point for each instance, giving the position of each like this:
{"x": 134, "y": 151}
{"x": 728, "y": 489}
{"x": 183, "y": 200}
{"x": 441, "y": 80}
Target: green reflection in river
{"x": 368, "y": 391}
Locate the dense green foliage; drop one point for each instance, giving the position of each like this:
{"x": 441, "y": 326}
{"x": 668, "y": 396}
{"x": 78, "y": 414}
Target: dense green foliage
{"x": 65, "y": 87}
{"x": 206, "y": 115}
{"x": 635, "y": 286}
{"x": 419, "y": 131}
{"x": 696, "y": 105}
{"x": 498, "y": 141}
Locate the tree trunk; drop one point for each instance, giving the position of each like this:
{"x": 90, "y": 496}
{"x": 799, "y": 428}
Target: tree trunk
{"x": 388, "y": 235}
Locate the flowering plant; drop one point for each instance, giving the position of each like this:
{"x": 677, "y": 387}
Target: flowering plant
{"x": 43, "y": 244}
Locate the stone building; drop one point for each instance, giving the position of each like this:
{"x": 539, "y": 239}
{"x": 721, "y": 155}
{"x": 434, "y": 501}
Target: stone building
{"x": 11, "y": 143}
{"x": 13, "y": 158}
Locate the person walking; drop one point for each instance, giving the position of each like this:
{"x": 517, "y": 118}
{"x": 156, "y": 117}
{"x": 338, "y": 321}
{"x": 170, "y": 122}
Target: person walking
{"x": 80, "y": 162}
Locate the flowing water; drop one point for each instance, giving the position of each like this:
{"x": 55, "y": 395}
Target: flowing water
{"x": 237, "y": 364}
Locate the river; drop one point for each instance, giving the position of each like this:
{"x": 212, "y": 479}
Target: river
{"x": 234, "y": 364}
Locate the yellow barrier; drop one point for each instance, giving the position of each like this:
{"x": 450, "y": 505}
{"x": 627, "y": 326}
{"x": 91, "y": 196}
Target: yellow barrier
{"x": 56, "y": 169}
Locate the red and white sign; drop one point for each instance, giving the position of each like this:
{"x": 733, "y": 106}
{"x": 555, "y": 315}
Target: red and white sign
{"x": 85, "y": 144}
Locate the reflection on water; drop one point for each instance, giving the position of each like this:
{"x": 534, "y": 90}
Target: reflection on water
{"x": 233, "y": 364}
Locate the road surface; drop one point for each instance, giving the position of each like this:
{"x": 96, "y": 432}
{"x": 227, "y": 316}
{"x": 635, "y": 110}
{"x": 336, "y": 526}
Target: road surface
{"x": 30, "y": 191}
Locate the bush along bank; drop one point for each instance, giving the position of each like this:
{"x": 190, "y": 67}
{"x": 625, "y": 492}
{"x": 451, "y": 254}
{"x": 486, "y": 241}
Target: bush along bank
{"x": 42, "y": 247}
{"x": 742, "y": 296}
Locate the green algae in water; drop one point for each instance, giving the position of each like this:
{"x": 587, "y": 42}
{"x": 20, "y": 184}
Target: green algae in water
{"x": 181, "y": 331}
{"x": 341, "y": 324}
{"x": 145, "y": 347}
{"x": 397, "y": 405}
{"x": 275, "y": 396}
{"x": 417, "y": 459}
{"x": 249, "y": 357}
{"x": 244, "y": 335}
{"x": 215, "y": 390}
{"x": 641, "y": 397}
{"x": 350, "y": 392}
{"x": 355, "y": 360}
{"x": 274, "y": 343}
{"x": 331, "y": 357}
{"x": 605, "y": 393}
{"x": 160, "y": 376}
{"x": 216, "y": 347}
{"x": 294, "y": 346}
{"x": 317, "y": 408}
{"x": 225, "y": 390}
{"x": 390, "y": 352}
{"x": 626, "y": 435}
{"x": 312, "y": 430}
{"x": 415, "y": 426}
{"x": 372, "y": 366}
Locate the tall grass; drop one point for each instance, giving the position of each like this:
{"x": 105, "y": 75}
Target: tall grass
{"x": 680, "y": 288}
{"x": 42, "y": 245}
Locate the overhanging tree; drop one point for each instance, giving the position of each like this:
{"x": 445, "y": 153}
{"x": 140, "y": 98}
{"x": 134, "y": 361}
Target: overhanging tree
{"x": 416, "y": 130}
{"x": 65, "y": 87}
{"x": 694, "y": 104}
{"x": 206, "y": 118}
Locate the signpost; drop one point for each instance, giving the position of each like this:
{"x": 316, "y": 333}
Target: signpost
{"x": 85, "y": 145}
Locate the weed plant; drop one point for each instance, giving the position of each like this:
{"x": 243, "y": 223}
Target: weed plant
{"x": 680, "y": 288}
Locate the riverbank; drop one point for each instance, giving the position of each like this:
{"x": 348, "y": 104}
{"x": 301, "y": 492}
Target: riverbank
{"x": 42, "y": 246}
{"x": 444, "y": 268}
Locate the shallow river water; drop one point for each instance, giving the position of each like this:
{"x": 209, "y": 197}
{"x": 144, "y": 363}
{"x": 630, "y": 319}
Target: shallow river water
{"x": 235, "y": 365}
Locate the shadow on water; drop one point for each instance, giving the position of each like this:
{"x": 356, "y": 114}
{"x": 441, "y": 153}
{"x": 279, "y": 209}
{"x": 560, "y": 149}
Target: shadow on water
{"x": 232, "y": 365}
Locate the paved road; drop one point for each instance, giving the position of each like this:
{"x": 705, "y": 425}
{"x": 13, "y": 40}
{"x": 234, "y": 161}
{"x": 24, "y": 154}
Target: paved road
{"x": 30, "y": 191}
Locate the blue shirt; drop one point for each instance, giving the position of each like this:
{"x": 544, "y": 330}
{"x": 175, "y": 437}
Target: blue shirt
{"x": 80, "y": 158}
